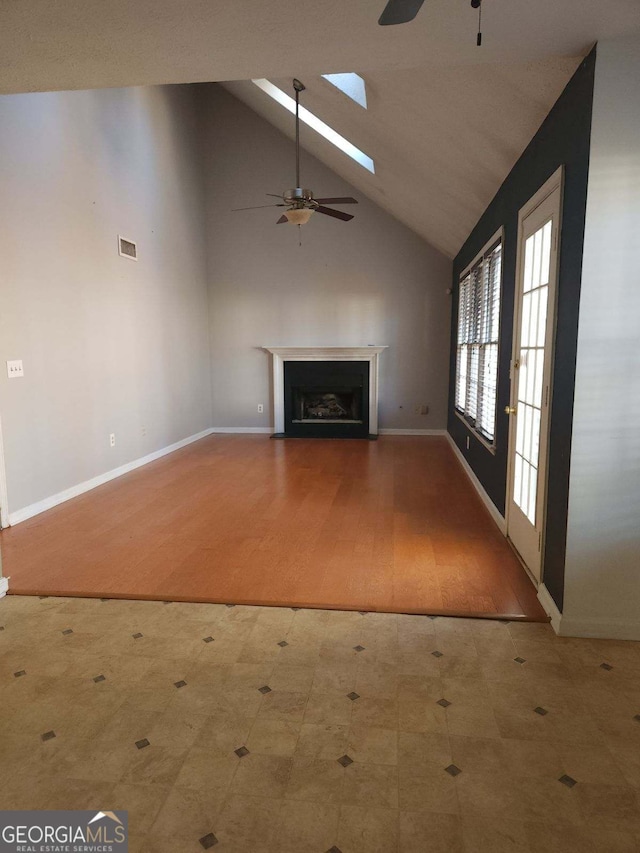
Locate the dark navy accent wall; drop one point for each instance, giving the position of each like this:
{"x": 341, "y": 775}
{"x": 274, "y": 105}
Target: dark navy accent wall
{"x": 563, "y": 140}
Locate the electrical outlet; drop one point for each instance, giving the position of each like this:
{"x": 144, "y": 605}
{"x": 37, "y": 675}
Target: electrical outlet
{"x": 260, "y": 408}
{"x": 421, "y": 410}
{"x": 112, "y": 439}
{"x": 15, "y": 369}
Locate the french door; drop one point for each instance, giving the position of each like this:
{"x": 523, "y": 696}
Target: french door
{"x": 531, "y": 368}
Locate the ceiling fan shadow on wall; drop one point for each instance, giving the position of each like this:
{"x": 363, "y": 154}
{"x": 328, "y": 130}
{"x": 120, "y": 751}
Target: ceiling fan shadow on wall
{"x": 300, "y": 203}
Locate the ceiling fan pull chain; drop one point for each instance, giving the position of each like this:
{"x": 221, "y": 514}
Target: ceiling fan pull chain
{"x": 479, "y": 39}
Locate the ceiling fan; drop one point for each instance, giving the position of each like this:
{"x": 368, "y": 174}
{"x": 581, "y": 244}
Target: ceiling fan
{"x": 403, "y": 11}
{"x": 300, "y": 203}
{"x": 399, "y": 12}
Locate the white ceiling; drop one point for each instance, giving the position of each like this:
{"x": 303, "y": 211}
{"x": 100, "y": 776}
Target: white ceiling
{"x": 446, "y": 120}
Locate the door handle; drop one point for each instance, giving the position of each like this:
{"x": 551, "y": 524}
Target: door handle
{"x": 509, "y": 410}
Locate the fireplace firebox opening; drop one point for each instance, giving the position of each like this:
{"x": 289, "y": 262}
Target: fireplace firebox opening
{"x": 326, "y": 399}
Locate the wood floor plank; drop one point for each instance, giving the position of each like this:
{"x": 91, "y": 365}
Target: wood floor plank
{"x": 390, "y": 525}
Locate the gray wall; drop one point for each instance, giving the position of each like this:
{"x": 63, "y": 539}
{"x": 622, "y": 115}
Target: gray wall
{"x": 368, "y": 281}
{"x": 108, "y": 345}
{"x": 602, "y": 581}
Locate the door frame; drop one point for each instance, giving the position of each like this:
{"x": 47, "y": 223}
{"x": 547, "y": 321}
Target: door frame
{"x": 555, "y": 182}
{"x": 4, "y": 502}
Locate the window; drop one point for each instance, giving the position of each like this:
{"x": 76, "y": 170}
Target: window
{"x": 351, "y": 84}
{"x": 317, "y": 124}
{"x": 477, "y": 343}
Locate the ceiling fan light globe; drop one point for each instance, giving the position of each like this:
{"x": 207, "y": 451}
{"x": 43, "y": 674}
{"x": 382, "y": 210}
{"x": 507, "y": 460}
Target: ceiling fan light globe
{"x": 298, "y": 215}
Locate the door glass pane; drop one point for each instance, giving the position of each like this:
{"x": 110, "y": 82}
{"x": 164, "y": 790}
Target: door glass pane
{"x": 533, "y": 330}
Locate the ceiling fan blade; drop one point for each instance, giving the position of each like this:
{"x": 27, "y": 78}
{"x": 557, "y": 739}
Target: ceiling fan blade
{"x": 338, "y": 214}
{"x": 399, "y": 12}
{"x": 346, "y": 200}
{"x": 256, "y": 207}
{"x": 282, "y": 219}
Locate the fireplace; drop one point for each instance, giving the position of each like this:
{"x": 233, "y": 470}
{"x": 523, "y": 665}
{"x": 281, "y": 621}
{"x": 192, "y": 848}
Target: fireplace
{"x": 325, "y": 392}
{"x": 326, "y": 399}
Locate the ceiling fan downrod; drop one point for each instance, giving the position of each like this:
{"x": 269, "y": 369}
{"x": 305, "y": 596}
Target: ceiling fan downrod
{"x": 299, "y": 87}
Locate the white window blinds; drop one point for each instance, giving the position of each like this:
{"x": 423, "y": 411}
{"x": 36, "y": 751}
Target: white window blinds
{"x": 477, "y": 344}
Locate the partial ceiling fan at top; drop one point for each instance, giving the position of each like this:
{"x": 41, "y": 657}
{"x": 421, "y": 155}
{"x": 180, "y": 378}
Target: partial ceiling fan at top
{"x": 403, "y": 11}
{"x": 300, "y": 203}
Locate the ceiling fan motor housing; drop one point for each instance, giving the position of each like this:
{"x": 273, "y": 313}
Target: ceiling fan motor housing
{"x": 298, "y": 196}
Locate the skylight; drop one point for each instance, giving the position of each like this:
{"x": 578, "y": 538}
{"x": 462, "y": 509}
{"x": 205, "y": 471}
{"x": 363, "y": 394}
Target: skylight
{"x": 351, "y": 84}
{"x": 317, "y": 124}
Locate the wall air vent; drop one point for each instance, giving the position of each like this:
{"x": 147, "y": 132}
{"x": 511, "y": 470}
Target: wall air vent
{"x": 127, "y": 248}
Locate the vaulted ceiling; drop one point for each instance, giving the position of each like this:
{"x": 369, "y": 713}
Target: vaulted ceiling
{"x": 446, "y": 120}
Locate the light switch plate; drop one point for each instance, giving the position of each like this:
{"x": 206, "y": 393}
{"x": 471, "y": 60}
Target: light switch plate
{"x": 15, "y": 369}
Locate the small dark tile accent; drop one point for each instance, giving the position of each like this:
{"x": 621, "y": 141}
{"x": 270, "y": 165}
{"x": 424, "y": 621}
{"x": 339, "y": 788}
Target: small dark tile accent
{"x": 179, "y": 684}
{"x": 507, "y": 622}
{"x": 334, "y": 850}
{"x": 229, "y": 605}
{"x": 437, "y": 654}
{"x": 137, "y": 636}
{"x": 520, "y": 660}
{"x": 264, "y": 690}
{"x": 142, "y": 743}
{"x": 568, "y": 781}
{"x": 432, "y": 617}
{"x": 167, "y": 602}
{"x": 345, "y": 761}
{"x": 208, "y": 841}
{"x": 48, "y": 736}
{"x": 637, "y": 718}
{"x": 358, "y": 648}
{"x": 20, "y": 673}
{"x": 104, "y": 599}
{"x": 452, "y": 770}
{"x": 353, "y": 696}
{"x": 606, "y": 666}
{"x": 1, "y": 627}
{"x": 42, "y": 597}
{"x": 542, "y": 711}
{"x": 283, "y": 643}
{"x": 363, "y": 612}
{"x": 295, "y": 609}
{"x": 208, "y": 640}
{"x": 67, "y": 631}
{"x": 444, "y": 702}
{"x": 99, "y": 678}
{"x": 241, "y": 751}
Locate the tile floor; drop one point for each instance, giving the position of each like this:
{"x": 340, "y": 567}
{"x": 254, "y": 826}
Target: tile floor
{"x": 268, "y": 729}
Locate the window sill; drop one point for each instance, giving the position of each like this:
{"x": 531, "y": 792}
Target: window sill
{"x": 477, "y": 435}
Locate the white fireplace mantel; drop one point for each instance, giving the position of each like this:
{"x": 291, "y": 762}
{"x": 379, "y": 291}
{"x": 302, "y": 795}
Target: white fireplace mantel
{"x": 282, "y": 354}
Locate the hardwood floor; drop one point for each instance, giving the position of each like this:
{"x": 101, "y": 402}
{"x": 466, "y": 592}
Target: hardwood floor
{"x": 392, "y": 525}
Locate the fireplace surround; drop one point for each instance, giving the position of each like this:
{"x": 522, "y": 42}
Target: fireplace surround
{"x": 325, "y": 392}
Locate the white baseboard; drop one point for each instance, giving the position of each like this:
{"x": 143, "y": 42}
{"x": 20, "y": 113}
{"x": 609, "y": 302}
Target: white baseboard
{"x": 269, "y": 431}
{"x": 4, "y": 587}
{"x": 495, "y": 514}
{"x": 600, "y": 629}
{"x": 550, "y": 607}
{"x": 73, "y": 492}
{"x": 241, "y": 430}
{"x": 411, "y": 432}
